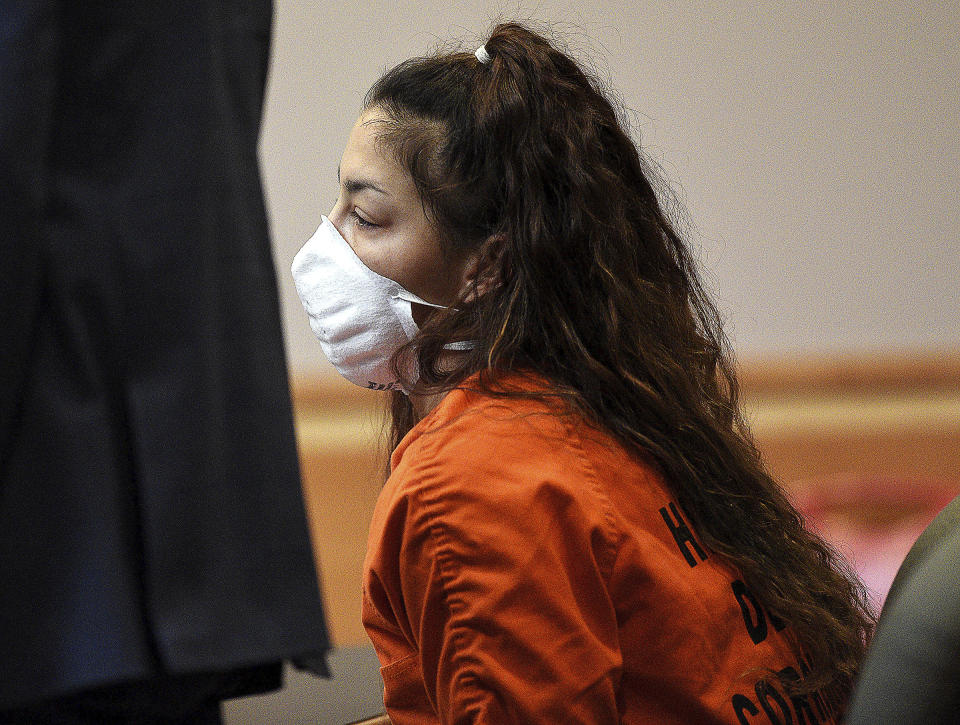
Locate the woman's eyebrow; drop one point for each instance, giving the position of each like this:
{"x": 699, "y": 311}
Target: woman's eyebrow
{"x": 355, "y": 186}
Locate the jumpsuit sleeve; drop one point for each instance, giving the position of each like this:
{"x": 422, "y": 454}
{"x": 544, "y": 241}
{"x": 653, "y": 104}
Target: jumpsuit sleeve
{"x": 502, "y": 581}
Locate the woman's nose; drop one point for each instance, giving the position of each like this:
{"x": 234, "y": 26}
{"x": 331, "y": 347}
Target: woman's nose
{"x": 336, "y": 216}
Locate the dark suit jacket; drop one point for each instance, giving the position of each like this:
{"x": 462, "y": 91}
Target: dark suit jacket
{"x": 151, "y": 515}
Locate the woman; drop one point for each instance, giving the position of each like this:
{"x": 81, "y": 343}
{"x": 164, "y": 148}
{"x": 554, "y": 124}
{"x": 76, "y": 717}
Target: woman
{"x": 577, "y": 527}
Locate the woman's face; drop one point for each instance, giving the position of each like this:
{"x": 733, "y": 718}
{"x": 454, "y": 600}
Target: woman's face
{"x": 380, "y": 216}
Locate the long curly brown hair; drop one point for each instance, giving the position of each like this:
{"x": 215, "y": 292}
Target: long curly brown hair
{"x": 526, "y": 161}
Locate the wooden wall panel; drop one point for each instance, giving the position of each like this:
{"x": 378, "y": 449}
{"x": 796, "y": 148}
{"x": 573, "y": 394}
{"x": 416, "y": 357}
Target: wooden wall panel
{"x": 881, "y": 417}
{"x": 816, "y": 421}
{"x": 344, "y": 465}
{"x": 812, "y": 460}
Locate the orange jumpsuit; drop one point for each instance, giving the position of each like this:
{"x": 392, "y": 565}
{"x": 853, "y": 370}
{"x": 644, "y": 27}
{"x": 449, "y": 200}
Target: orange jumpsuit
{"x": 523, "y": 567}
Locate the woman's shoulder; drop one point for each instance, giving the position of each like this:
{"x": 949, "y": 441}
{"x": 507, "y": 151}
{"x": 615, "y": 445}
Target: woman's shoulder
{"x": 515, "y": 426}
{"x": 478, "y": 447}
{"x": 491, "y": 474}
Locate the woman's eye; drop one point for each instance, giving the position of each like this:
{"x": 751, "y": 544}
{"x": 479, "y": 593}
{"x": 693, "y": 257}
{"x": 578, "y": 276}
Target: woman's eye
{"x": 361, "y": 222}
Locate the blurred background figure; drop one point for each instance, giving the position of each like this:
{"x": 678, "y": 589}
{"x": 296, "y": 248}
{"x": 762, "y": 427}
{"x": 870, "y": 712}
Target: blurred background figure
{"x": 912, "y": 669}
{"x": 154, "y": 553}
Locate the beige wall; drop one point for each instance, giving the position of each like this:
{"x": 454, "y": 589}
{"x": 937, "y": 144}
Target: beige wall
{"x": 816, "y": 146}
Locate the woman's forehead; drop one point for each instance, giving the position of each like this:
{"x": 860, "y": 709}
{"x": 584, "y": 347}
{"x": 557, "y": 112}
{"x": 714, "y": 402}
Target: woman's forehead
{"x": 366, "y": 160}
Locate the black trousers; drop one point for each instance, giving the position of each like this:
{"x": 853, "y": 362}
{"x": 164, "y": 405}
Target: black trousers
{"x": 165, "y": 700}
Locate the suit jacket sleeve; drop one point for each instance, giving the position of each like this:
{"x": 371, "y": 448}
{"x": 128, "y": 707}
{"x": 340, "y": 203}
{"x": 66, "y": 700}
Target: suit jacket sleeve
{"x": 28, "y": 56}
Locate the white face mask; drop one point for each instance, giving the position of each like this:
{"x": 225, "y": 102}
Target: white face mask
{"x": 360, "y": 317}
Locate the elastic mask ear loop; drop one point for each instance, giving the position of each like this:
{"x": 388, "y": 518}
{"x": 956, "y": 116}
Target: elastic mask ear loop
{"x": 460, "y": 345}
{"x": 408, "y": 296}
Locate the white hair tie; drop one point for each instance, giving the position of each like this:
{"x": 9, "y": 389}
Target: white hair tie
{"x": 482, "y": 55}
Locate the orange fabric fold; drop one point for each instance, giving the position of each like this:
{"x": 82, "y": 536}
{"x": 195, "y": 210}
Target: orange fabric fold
{"x": 524, "y": 567}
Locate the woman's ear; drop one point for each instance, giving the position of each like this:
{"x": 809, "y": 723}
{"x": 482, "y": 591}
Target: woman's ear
{"x": 482, "y": 270}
